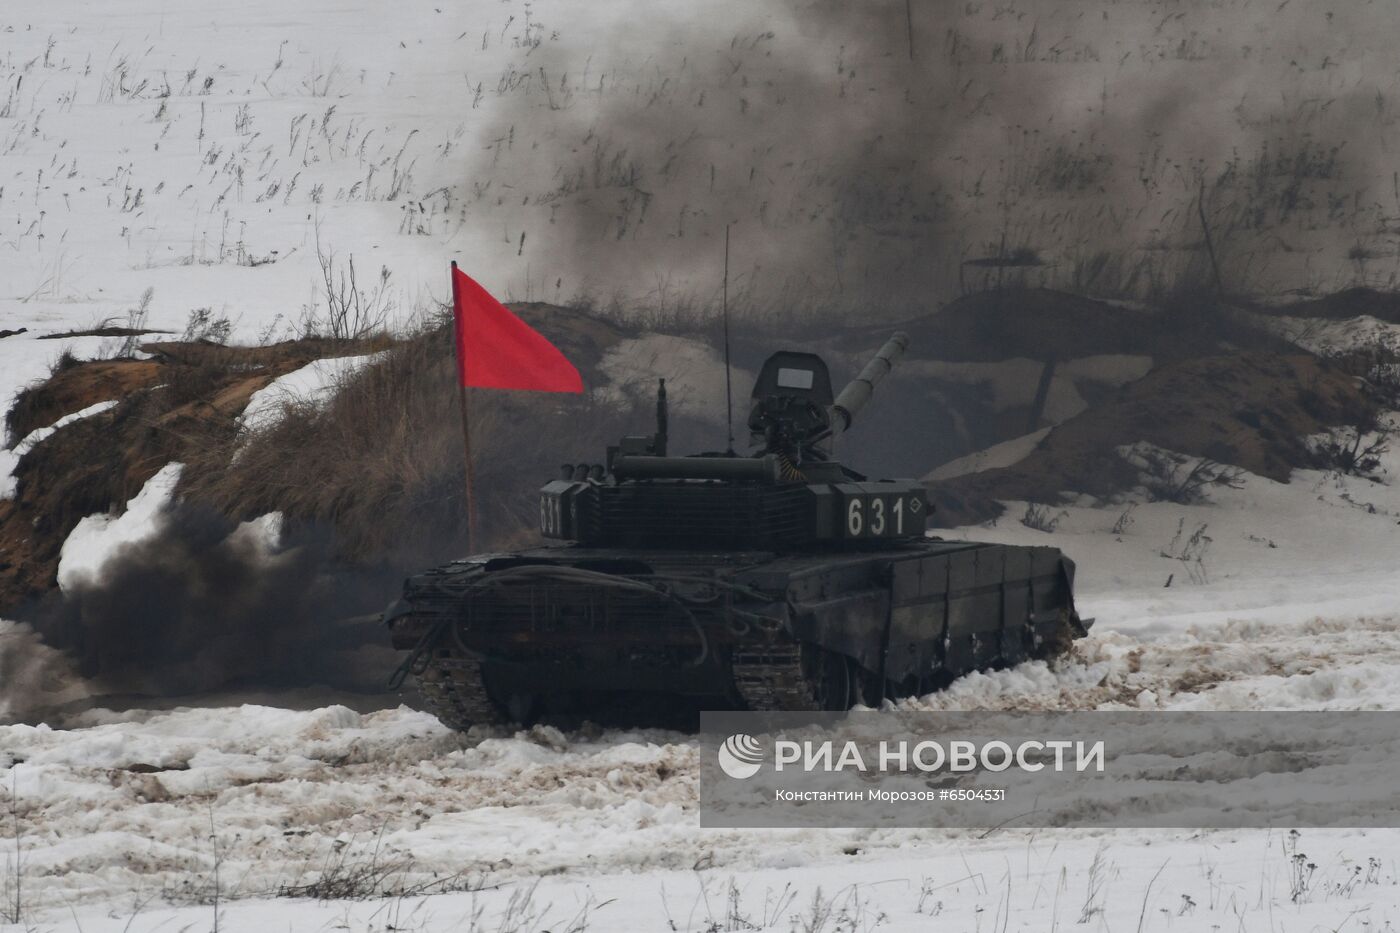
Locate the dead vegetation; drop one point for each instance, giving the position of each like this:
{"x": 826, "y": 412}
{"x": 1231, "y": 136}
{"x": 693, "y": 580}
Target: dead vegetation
{"x": 1355, "y": 449}
{"x": 381, "y": 462}
{"x": 184, "y": 399}
{"x": 72, "y": 386}
{"x": 1168, "y": 476}
{"x": 354, "y": 308}
{"x": 378, "y": 468}
{"x": 352, "y": 872}
{"x": 1216, "y": 415}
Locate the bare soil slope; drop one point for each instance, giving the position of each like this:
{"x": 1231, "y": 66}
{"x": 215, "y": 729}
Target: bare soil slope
{"x": 184, "y": 399}
{"x": 1249, "y": 410}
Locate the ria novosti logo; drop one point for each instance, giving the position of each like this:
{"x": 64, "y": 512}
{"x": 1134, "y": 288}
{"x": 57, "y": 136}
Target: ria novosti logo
{"x": 740, "y": 756}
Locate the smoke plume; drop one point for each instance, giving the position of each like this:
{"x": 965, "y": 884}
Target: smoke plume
{"x": 203, "y": 603}
{"x": 865, "y": 153}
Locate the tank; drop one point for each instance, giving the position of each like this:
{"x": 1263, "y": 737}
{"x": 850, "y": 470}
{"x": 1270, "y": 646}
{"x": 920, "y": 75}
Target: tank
{"x": 781, "y": 580}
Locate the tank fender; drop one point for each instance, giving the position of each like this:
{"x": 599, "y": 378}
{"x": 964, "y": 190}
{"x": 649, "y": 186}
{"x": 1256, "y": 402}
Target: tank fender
{"x": 854, "y": 624}
{"x": 396, "y": 610}
{"x": 1080, "y": 626}
{"x": 1067, "y": 568}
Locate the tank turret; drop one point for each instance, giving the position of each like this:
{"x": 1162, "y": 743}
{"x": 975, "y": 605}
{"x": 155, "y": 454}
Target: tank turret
{"x": 786, "y": 495}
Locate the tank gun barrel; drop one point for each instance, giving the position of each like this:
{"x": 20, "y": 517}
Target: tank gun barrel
{"x": 857, "y": 394}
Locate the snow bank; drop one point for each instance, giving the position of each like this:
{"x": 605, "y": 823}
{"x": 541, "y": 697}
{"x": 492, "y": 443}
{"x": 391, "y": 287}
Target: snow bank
{"x": 98, "y": 537}
{"x": 1005, "y": 454}
{"x": 315, "y": 384}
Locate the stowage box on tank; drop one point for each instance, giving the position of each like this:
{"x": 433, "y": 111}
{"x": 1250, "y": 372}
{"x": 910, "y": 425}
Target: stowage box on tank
{"x": 777, "y": 581}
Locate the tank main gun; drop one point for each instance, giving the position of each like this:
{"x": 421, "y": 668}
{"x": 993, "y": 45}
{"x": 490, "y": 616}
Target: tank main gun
{"x": 858, "y": 392}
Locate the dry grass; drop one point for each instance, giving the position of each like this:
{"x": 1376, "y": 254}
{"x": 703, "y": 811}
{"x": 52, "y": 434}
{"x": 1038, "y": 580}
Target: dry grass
{"x": 174, "y": 407}
{"x": 381, "y": 463}
{"x": 72, "y": 386}
{"x": 1251, "y": 410}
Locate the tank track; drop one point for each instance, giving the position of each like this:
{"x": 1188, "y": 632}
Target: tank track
{"x": 453, "y": 691}
{"x": 451, "y": 685}
{"x": 770, "y": 677}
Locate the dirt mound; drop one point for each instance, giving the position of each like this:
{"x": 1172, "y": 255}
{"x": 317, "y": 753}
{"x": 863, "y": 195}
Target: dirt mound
{"x": 367, "y": 478}
{"x": 1346, "y": 304}
{"x": 380, "y": 465}
{"x": 74, "y": 386}
{"x": 1248, "y": 410}
{"x": 183, "y": 399}
{"x": 105, "y": 332}
{"x": 582, "y": 337}
{"x": 1034, "y": 323}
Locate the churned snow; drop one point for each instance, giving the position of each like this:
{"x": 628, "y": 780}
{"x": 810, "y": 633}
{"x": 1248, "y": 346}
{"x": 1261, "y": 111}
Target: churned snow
{"x": 151, "y": 821}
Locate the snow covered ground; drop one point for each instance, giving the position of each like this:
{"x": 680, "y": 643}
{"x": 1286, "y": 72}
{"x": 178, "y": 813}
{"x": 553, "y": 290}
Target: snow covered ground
{"x": 204, "y": 153}
{"x": 1286, "y": 600}
{"x": 163, "y": 821}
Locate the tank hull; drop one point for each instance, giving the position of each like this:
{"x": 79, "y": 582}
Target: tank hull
{"x": 503, "y": 637}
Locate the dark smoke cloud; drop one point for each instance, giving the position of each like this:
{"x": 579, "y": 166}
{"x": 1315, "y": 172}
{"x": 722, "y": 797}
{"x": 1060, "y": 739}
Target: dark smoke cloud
{"x": 199, "y": 605}
{"x": 864, "y": 151}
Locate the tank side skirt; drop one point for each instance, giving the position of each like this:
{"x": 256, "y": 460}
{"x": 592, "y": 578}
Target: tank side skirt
{"x": 909, "y": 618}
{"x": 964, "y": 610}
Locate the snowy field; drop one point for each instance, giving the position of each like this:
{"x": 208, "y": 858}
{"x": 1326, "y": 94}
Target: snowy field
{"x": 204, "y": 156}
{"x": 165, "y": 820}
{"x": 214, "y": 154}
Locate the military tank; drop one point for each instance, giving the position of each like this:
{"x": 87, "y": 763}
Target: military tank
{"x": 782, "y": 580}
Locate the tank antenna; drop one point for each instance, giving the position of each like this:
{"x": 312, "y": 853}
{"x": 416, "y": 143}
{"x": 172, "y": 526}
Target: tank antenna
{"x": 728, "y": 378}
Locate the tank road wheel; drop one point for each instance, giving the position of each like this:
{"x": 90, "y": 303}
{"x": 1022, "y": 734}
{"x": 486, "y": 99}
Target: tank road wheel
{"x": 828, "y": 678}
{"x": 867, "y": 689}
{"x": 520, "y": 707}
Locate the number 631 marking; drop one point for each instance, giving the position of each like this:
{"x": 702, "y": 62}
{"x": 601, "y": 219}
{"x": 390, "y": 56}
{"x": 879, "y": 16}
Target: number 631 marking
{"x": 877, "y": 519}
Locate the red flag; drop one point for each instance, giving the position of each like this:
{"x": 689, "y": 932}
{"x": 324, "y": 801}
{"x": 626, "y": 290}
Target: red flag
{"x": 497, "y": 350}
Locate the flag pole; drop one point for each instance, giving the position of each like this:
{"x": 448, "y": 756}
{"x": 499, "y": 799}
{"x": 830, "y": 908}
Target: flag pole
{"x": 466, "y": 418}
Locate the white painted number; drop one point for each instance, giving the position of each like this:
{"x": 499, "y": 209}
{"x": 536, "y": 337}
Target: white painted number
{"x": 899, "y": 515}
{"x": 877, "y": 517}
{"x": 550, "y": 515}
{"x": 855, "y": 519}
